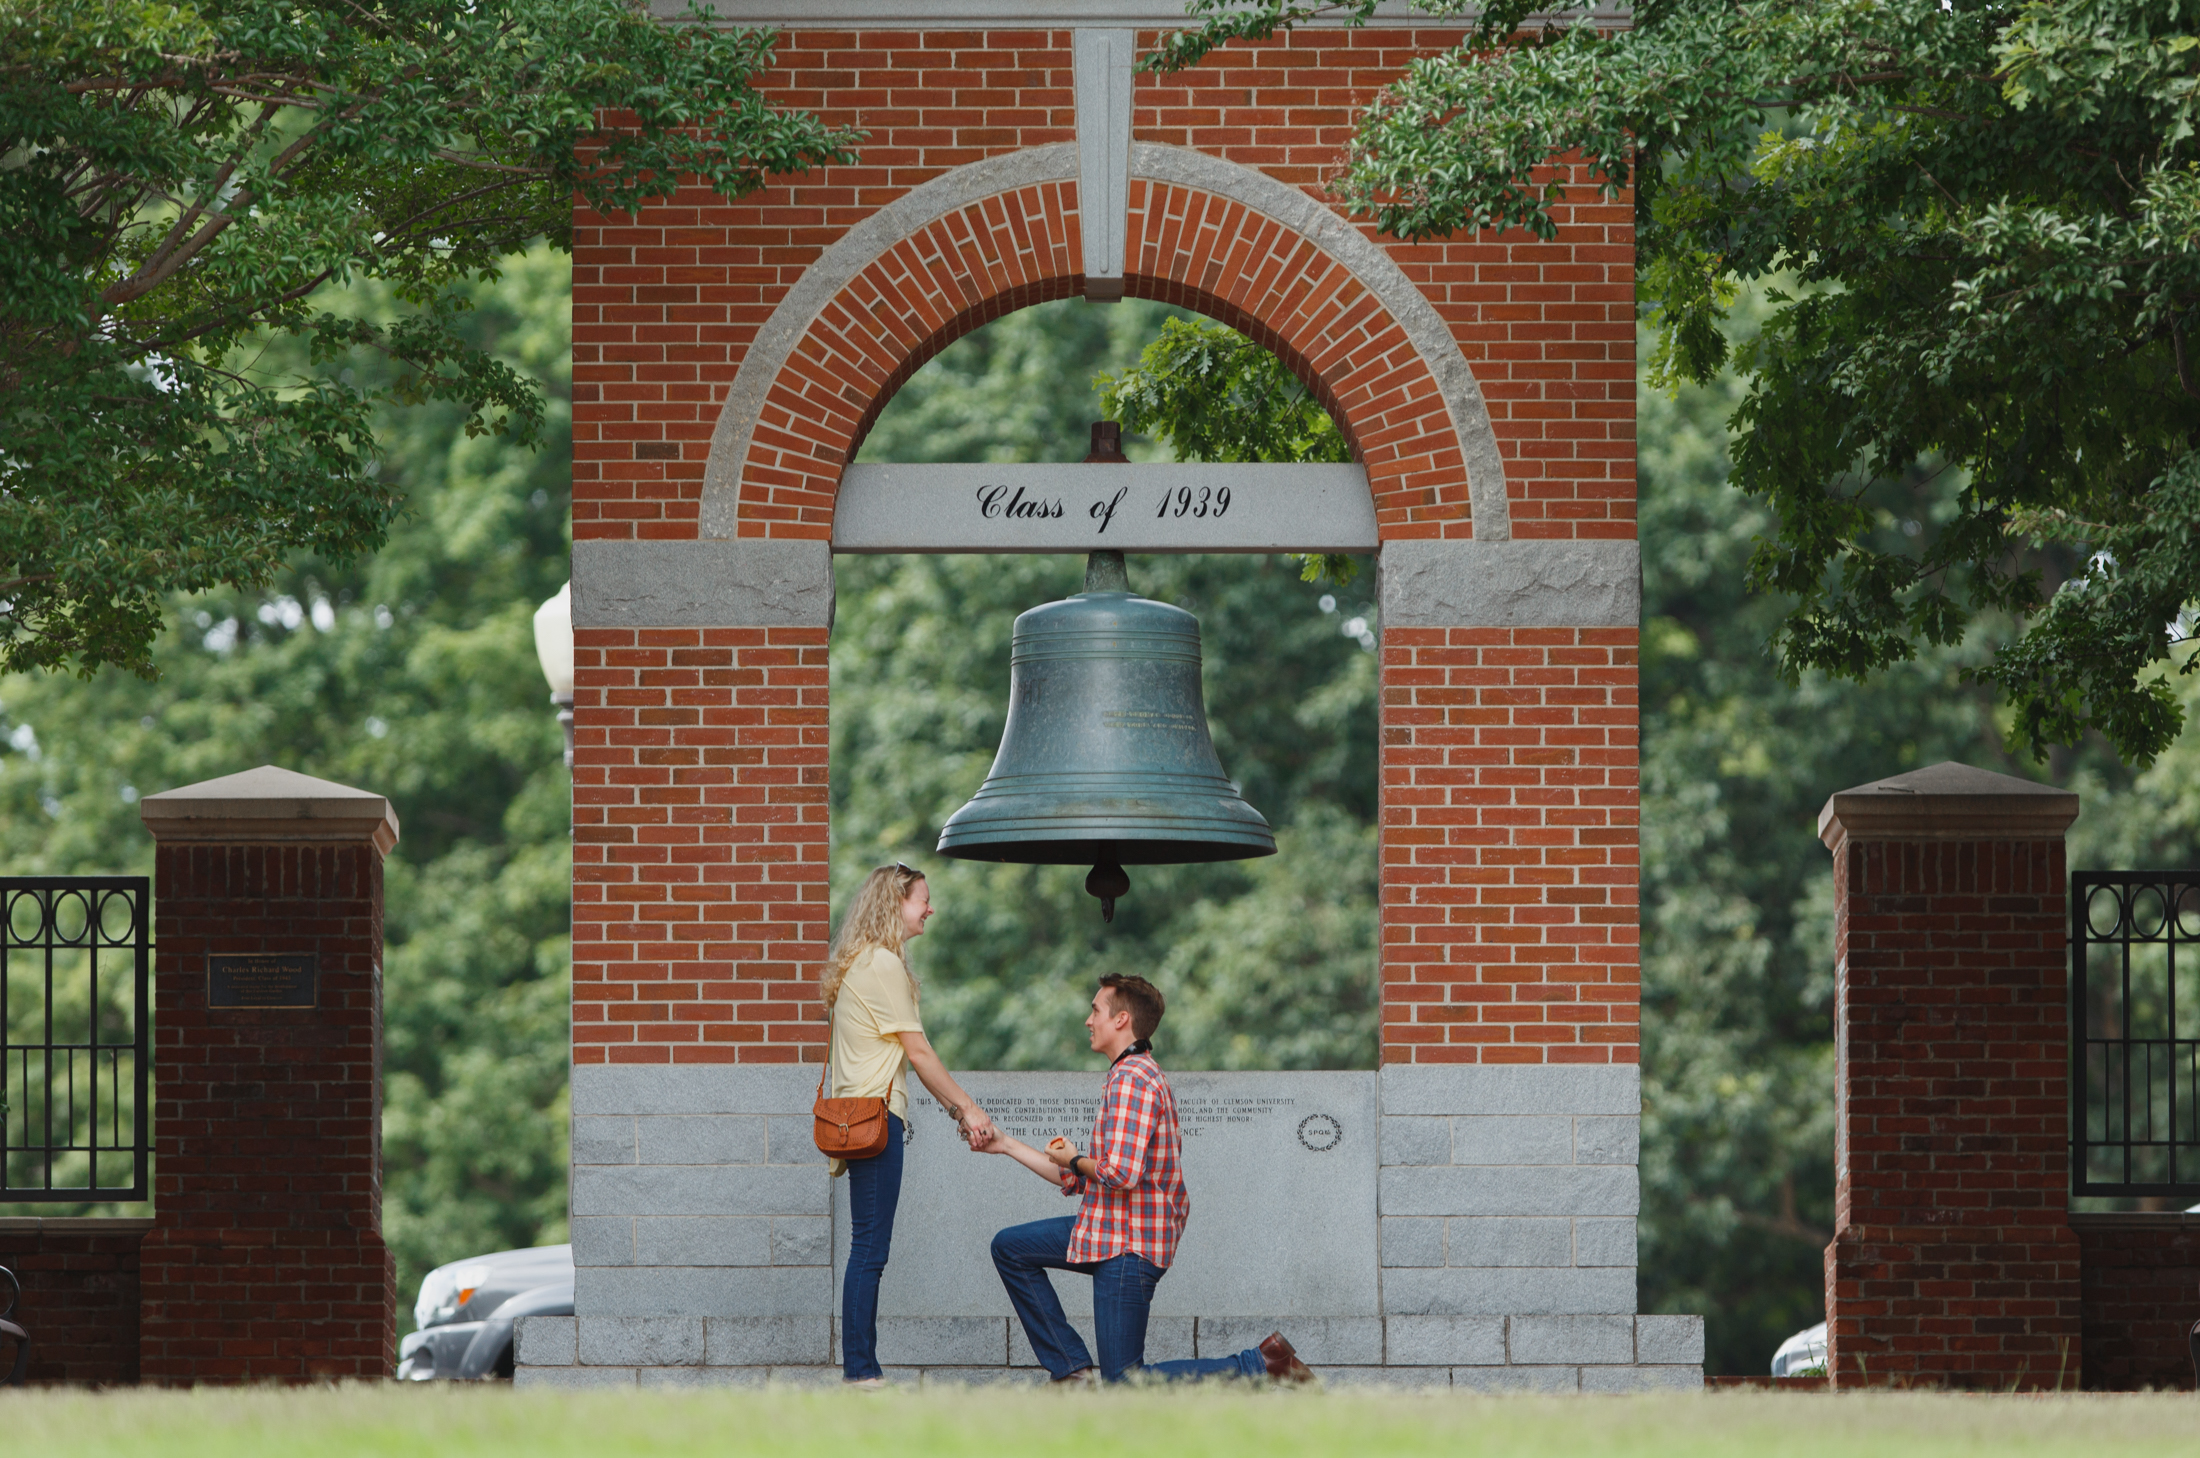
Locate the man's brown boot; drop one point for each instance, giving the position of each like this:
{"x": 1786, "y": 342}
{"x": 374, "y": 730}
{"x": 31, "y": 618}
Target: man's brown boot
{"x": 1283, "y": 1363}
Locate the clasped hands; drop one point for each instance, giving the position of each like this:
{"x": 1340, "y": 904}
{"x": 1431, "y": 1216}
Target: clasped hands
{"x": 1059, "y": 1158}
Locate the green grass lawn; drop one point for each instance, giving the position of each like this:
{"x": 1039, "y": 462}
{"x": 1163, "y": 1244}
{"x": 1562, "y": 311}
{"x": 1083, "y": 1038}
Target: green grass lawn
{"x": 456, "y": 1423}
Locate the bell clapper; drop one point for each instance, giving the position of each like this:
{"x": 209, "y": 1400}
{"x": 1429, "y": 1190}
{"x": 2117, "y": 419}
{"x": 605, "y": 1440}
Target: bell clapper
{"x": 1107, "y": 881}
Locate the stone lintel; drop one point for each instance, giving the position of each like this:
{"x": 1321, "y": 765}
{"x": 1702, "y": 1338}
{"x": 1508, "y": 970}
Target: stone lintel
{"x": 1515, "y": 584}
{"x": 713, "y": 583}
{"x": 269, "y": 805}
{"x": 1947, "y": 801}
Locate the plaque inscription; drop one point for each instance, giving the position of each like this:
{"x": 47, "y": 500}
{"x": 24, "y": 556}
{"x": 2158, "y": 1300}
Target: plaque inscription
{"x": 264, "y": 980}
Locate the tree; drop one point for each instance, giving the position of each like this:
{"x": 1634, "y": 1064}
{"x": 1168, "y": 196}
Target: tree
{"x": 179, "y": 180}
{"x": 1982, "y": 222}
{"x": 1214, "y": 395}
{"x": 412, "y": 674}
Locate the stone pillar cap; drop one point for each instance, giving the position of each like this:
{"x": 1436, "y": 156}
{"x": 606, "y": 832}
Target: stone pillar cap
{"x": 270, "y": 805}
{"x": 1947, "y": 801}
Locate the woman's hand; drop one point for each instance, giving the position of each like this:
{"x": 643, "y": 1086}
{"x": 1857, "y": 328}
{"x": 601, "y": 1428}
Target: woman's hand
{"x": 977, "y": 1128}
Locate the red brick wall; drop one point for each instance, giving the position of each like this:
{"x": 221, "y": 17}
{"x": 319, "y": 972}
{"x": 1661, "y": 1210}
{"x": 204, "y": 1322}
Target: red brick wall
{"x": 266, "y": 1258}
{"x": 1953, "y": 1261}
{"x": 2141, "y": 1296}
{"x": 1511, "y": 864}
{"x": 80, "y": 1297}
{"x": 1510, "y": 799}
{"x": 699, "y": 844}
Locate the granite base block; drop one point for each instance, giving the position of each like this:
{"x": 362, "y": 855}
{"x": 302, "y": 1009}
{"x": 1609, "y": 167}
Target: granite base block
{"x": 545, "y": 1341}
{"x": 1574, "y": 1340}
{"x": 1562, "y": 1191}
{"x": 1412, "y": 1241}
{"x": 1642, "y": 1379}
{"x": 983, "y": 1377}
{"x": 1448, "y": 1341}
{"x": 942, "y": 1341}
{"x": 1512, "y": 1090}
{"x": 1669, "y": 1340}
{"x": 715, "y": 1377}
{"x": 641, "y": 1341}
{"x": 771, "y": 1341}
{"x": 1546, "y": 1291}
{"x": 1516, "y": 1379}
{"x": 573, "y": 1377}
{"x": 1388, "y": 1379}
{"x": 702, "y": 1290}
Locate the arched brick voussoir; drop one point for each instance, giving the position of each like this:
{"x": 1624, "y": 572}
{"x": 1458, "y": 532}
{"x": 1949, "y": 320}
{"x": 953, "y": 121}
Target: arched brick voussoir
{"x": 999, "y": 235}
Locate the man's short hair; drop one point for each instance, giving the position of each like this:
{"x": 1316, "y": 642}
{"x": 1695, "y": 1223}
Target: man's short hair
{"x": 1141, "y": 999}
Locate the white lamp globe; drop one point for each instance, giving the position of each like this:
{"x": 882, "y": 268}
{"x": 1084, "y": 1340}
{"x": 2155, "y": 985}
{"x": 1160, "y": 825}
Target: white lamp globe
{"x": 554, "y": 642}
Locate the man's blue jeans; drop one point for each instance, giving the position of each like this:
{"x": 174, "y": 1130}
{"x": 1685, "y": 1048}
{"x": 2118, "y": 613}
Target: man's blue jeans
{"x": 1122, "y": 1294}
{"x": 874, "y": 1190}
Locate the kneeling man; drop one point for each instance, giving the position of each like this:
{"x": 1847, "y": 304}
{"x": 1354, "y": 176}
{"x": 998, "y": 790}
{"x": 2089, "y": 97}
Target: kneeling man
{"x": 1135, "y": 1206}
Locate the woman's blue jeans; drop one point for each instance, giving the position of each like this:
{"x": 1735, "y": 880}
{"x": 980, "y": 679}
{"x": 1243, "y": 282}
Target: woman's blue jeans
{"x": 1122, "y": 1295}
{"x": 874, "y": 1189}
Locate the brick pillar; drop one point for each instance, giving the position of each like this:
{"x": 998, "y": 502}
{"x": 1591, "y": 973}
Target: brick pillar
{"x": 265, "y": 1261}
{"x": 1953, "y": 1262}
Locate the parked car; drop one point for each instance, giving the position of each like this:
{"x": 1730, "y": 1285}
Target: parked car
{"x": 466, "y": 1311}
{"x": 1800, "y": 1352}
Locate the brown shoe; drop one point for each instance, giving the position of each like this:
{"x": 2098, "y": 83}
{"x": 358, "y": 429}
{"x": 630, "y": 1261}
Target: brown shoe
{"x": 1283, "y": 1363}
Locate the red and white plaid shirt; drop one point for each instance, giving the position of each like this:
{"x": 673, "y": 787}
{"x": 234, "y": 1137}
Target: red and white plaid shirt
{"x": 1137, "y": 1201}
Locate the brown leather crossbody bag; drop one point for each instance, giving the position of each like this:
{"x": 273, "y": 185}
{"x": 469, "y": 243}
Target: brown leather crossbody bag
{"x": 849, "y": 1128}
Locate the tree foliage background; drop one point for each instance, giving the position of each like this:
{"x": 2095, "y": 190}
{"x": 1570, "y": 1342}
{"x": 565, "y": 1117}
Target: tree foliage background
{"x": 1973, "y": 227}
{"x": 179, "y": 180}
{"x": 413, "y": 674}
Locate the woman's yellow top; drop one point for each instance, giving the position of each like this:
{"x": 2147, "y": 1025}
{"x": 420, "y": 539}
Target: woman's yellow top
{"x": 878, "y": 999}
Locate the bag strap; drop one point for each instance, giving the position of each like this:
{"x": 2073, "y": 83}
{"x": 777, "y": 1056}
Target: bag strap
{"x": 822, "y": 1071}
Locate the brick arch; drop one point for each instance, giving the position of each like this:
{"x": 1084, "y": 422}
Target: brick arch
{"x": 1002, "y": 234}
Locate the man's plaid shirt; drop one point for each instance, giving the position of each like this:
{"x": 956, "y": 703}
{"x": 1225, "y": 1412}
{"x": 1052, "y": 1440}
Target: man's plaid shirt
{"x": 1137, "y": 1201}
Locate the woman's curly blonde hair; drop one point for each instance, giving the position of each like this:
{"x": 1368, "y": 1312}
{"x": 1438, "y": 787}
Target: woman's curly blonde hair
{"x": 873, "y": 921}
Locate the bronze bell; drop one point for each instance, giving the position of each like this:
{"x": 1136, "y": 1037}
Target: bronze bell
{"x": 1105, "y": 759}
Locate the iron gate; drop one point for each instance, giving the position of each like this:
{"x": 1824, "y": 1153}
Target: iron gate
{"x": 2135, "y": 1033}
{"x": 75, "y": 1050}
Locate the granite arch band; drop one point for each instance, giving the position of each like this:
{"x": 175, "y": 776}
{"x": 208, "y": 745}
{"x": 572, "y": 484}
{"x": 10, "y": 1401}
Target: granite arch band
{"x": 739, "y": 478}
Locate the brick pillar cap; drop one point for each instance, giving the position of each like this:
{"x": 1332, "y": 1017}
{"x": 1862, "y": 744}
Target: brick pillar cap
{"x": 270, "y": 805}
{"x": 1947, "y": 801}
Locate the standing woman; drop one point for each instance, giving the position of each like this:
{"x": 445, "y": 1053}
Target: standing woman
{"x": 871, "y": 997}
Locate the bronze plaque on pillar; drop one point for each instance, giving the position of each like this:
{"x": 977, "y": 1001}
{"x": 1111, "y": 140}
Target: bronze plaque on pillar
{"x": 264, "y": 980}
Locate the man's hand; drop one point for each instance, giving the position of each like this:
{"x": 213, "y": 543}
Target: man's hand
{"x": 992, "y": 1141}
{"x": 1062, "y": 1152}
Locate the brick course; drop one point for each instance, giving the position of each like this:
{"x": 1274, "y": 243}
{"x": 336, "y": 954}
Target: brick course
{"x": 266, "y": 1259}
{"x": 700, "y": 877}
